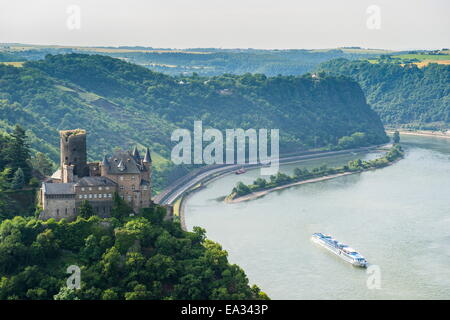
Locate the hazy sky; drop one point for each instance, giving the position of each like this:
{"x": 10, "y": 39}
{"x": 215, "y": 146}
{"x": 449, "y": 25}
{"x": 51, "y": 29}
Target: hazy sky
{"x": 403, "y": 24}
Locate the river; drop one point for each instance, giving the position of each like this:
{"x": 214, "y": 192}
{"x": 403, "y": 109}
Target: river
{"x": 397, "y": 217}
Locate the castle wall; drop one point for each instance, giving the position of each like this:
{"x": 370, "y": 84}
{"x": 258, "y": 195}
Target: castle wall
{"x": 99, "y": 197}
{"x": 130, "y": 189}
{"x": 58, "y": 207}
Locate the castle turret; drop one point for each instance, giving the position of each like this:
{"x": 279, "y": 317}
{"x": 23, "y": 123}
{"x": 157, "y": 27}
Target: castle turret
{"x": 147, "y": 157}
{"x": 73, "y": 153}
{"x": 104, "y": 166}
{"x": 136, "y": 154}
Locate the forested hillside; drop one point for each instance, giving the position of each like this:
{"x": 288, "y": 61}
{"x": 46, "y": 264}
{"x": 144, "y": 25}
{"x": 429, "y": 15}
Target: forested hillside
{"x": 141, "y": 258}
{"x": 402, "y": 95}
{"x": 122, "y": 104}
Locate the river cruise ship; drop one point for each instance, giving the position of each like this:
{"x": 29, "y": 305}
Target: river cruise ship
{"x": 343, "y": 251}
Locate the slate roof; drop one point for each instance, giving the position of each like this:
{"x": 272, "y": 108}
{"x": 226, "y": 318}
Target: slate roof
{"x": 123, "y": 162}
{"x": 95, "y": 182}
{"x": 58, "y": 188}
{"x": 147, "y": 157}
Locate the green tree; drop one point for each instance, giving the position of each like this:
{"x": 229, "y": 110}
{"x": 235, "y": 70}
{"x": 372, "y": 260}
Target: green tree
{"x": 66, "y": 294}
{"x": 18, "y": 152}
{"x": 120, "y": 208}
{"x": 42, "y": 163}
{"x": 396, "y": 137}
{"x": 260, "y": 182}
{"x": 18, "y": 180}
{"x": 85, "y": 210}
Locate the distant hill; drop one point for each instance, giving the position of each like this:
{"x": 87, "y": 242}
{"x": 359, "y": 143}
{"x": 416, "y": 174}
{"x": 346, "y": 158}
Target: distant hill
{"x": 122, "y": 104}
{"x": 207, "y": 61}
{"x": 403, "y": 95}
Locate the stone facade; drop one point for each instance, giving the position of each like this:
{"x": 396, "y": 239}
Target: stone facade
{"x": 125, "y": 172}
{"x": 73, "y": 155}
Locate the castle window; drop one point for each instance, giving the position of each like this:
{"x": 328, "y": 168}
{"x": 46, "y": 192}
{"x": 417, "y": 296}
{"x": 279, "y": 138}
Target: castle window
{"x": 65, "y": 210}
{"x": 73, "y": 210}
{"x": 85, "y": 196}
{"x": 90, "y": 189}
{"x": 133, "y": 177}
{"x": 82, "y": 189}
{"x": 121, "y": 178}
{"x": 81, "y": 196}
{"x": 95, "y": 195}
{"x": 57, "y": 212}
{"x": 90, "y": 195}
{"x": 110, "y": 195}
{"x": 99, "y": 195}
{"x": 107, "y": 188}
{"x": 129, "y": 198}
{"x": 99, "y": 188}
{"x": 145, "y": 187}
{"x": 121, "y": 187}
{"x": 133, "y": 187}
{"x": 104, "y": 196}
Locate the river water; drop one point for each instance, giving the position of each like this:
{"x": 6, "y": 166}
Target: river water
{"x": 397, "y": 217}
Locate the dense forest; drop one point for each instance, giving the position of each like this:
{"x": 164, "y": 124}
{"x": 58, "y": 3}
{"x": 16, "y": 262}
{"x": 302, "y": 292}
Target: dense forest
{"x": 401, "y": 94}
{"x": 20, "y": 174}
{"x": 122, "y": 104}
{"x": 132, "y": 258}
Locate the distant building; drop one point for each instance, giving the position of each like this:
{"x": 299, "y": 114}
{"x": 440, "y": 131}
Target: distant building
{"x": 125, "y": 172}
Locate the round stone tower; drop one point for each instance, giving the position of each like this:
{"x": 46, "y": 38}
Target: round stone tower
{"x": 73, "y": 155}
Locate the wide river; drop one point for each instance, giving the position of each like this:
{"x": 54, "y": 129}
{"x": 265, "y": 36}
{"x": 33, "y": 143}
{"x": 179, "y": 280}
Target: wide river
{"x": 397, "y": 217}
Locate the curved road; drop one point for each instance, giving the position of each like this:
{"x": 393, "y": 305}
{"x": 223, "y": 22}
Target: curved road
{"x": 170, "y": 194}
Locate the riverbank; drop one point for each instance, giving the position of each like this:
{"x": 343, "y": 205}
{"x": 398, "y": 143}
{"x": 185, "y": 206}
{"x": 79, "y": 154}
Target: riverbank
{"x": 182, "y": 190}
{"x": 259, "y": 194}
{"x": 394, "y": 154}
{"x": 423, "y": 133}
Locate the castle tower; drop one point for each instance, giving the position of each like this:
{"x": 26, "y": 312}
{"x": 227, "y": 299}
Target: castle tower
{"x": 147, "y": 161}
{"x": 73, "y": 154}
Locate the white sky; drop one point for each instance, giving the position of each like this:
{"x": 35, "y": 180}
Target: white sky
{"x": 405, "y": 24}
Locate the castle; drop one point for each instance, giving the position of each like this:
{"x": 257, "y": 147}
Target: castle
{"x": 77, "y": 180}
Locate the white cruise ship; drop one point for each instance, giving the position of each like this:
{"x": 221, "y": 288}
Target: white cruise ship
{"x": 345, "y": 252}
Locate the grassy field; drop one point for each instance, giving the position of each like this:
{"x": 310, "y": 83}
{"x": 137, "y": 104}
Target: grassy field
{"x": 15, "y": 64}
{"x": 101, "y": 49}
{"x": 418, "y": 59}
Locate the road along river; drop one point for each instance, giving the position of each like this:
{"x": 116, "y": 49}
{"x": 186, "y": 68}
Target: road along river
{"x": 398, "y": 217}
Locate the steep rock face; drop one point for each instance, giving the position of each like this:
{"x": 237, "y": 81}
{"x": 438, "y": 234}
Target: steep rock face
{"x": 401, "y": 95}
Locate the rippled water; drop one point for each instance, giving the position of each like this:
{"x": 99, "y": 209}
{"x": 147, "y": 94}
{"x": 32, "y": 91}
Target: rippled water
{"x": 397, "y": 217}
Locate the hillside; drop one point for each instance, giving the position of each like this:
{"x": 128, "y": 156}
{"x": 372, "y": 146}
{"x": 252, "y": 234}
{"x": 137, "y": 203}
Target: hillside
{"x": 402, "y": 95}
{"x": 122, "y": 104}
{"x": 142, "y": 258}
{"x": 204, "y": 61}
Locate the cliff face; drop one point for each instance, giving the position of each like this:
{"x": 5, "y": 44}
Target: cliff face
{"x": 120, "y": 104}
{"x": 401, "y": 95}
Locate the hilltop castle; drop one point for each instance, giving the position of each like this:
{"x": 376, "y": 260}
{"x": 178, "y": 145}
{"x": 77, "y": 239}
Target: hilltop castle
{"x": 125, "y": 172}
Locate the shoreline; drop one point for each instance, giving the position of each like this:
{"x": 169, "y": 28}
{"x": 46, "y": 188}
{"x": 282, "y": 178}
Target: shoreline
{"x": 189, "y": 192}
{"x": 259, "y": 194}
{"x": 423, "y": 133}
{"x": 262, "y": 193}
